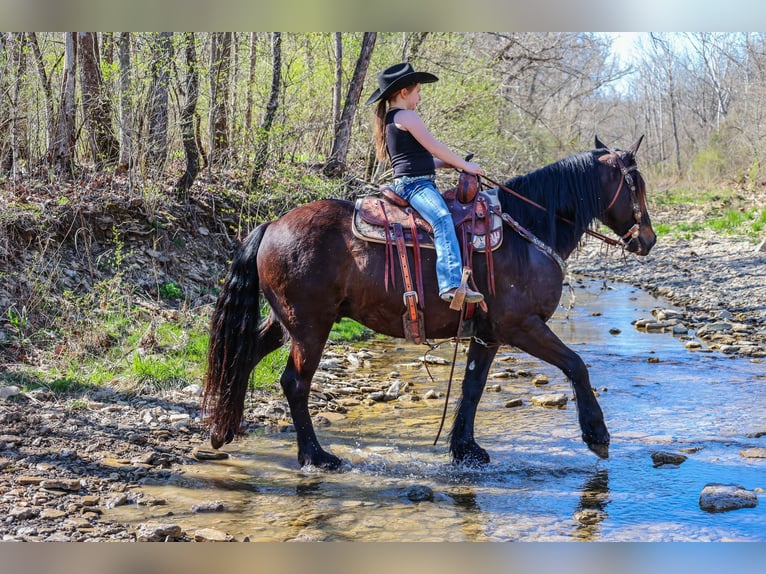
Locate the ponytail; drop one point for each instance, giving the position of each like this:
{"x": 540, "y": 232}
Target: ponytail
{"x": 380, "y": 130}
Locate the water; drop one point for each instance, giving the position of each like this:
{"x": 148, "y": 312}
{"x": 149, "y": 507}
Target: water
{"x": 542, "y": 484}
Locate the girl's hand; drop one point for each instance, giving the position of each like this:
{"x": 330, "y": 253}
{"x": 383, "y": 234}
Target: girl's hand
{"x": 473, "y": 168}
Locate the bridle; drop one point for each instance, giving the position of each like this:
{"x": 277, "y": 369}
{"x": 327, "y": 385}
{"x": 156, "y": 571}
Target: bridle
{"x": 632, "y": 234}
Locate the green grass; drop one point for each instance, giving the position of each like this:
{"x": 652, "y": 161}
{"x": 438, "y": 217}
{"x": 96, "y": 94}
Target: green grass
{"x": 727, "y": 213}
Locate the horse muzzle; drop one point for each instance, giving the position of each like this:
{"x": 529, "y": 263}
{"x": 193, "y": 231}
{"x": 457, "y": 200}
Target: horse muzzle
{"x": 642, "y": 242}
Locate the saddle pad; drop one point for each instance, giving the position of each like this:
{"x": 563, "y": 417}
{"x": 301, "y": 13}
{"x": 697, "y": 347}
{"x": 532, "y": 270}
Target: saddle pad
{"x": 372, "y": 212}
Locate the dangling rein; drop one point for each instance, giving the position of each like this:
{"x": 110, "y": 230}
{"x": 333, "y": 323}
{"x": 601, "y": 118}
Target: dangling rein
{"x": 515, "y": 225}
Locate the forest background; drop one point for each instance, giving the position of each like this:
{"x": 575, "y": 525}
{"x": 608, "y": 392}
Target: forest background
{"x": 182, "y": 138}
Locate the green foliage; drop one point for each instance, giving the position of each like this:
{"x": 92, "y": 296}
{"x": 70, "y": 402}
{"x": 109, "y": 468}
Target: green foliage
{"x": 171, "y": 290}
{"x": 347, "y": 330}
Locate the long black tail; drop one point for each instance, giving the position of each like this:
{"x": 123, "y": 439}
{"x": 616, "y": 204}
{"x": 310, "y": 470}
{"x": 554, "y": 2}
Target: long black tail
{"x": 234, "y": 343}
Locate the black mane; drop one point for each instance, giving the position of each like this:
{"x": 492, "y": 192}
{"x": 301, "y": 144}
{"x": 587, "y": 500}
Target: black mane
{"x": 569, "y": 188}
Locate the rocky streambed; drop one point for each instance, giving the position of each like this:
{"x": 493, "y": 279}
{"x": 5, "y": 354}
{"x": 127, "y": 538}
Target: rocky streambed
{"x": 718, "y": 283}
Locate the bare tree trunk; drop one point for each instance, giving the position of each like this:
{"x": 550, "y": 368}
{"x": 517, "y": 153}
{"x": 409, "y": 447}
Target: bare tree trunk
{"x": 336, "y": 165}
{"x": 262, "y": 135}
{"x": 62, "y": 148}
{"x": 338, "y": 80}
{"x": 15, "y": 147}
{"x": 126, "y": 109}
{"x": 158, "y": 104}
{"x": 45, "y": 82}
{"x": 97, "y": 111}
{"x": 220, "y": 66}
{"x": 187, "y": 117}
{"x": 412, "y": 44}
{"x": 250, "y": 80}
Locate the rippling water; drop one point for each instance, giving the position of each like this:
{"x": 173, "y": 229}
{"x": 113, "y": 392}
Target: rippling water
{"x": 542, "y": 484}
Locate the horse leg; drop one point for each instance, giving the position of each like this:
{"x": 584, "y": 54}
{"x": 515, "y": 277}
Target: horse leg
{"x": 463, "y": 446}
{"x": 537, "y": 339}
{"x": 296, "y": 384}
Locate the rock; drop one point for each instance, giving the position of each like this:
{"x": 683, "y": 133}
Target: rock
{"x": 419, "y": 493}
{"x": 201, "y": 454}
{"x": 158, "y": 532}
{"x": 661, "y": 458}
{"x": 540, "y": 380}
{"x": 396, "y": 389}
{"x": 615, "y": 331}
{"x": 725, "y": 497}
{"x": 432, "y": 394}
{"x": 762, "y": 246}
{"x": 208, "y": 506}
{"x": 8, "y": 392}
{"x": 756, "y": 452}
{"x": 712, "y": 328}
{"x": 211, "y": 535}
{"x": 554, "y": 400}
{"x": 513, "y": 403}
{"x": 193, "y": 390}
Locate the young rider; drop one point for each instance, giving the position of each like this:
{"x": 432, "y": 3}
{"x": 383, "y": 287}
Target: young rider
{"x": 401, "y": 135}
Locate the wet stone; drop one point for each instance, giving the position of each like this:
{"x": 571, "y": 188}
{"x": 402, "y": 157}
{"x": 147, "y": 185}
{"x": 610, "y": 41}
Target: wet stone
{"x": 211, "y": 535}
{"x": 662, "y": 458}
{"x": 208, "y": 506}
{"x": 513, "y": 403}
{"x": 202, "y": 454}
{"x": 726, "y": 497}
{"x": 420, "y": 493}
{"x": 554, "y": 400}
{"x": 158, "y": 532}
{"x": 756, "y": 452}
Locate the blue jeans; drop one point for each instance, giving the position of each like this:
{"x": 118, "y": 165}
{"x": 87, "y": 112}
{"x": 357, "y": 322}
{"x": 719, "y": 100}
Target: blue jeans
{"x": 423, "y": 195}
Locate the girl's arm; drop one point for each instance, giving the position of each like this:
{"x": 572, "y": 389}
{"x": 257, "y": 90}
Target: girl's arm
{"x": 444, "y": 157}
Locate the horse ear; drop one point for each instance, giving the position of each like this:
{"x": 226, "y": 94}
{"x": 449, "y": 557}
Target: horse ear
{"x": 634, "y": 148}
{"x": 600, "y": 144}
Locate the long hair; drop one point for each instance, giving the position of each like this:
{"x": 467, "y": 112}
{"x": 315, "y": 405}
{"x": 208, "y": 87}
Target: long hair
{"x": 379, "y": 125}
{"x": 380, "y": 130}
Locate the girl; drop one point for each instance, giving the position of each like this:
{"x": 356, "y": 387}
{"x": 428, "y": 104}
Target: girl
{"x": 401, "y": 135}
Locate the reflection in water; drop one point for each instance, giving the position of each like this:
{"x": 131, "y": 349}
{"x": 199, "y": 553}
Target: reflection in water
{"x": 593, "y": 502}
{"x": 542, "y": 484}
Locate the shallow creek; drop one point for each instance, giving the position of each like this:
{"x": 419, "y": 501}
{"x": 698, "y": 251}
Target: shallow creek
{"x": 542, "y": 484}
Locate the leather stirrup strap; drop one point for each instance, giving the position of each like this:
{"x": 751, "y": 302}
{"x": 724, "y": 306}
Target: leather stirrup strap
{"x": 416, "y": 255}
{"x": 389, "y": 267}
{"x": 413, "y": 316}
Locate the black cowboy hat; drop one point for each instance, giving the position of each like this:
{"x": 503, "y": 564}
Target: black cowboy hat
{"x": 397, "y": 77}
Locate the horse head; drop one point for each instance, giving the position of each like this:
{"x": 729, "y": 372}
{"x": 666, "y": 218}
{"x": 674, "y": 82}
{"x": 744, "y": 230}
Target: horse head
{"x": 624, "y": 197}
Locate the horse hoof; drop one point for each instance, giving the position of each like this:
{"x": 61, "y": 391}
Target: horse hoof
{"x": 474, "y": 456}
{"x": 326, "y": 461}
{"x": 600, "y": 449}
{"x": 217, "y": 441}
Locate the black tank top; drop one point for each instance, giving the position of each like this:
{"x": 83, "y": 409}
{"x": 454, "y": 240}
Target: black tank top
{"x": 408, "y": 157}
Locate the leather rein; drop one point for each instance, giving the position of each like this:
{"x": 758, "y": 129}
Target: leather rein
{"x": 627, "y": 176}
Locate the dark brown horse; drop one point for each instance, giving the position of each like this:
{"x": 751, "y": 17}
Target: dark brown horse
{"x": 313, "y": 271}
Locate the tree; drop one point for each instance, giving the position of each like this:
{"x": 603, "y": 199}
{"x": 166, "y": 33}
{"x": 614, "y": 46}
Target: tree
{"x": 45, "y": 82}
{"x": 62, "y": 146}
{"x": 162, "y": 56}
{"x": 336, "y": 165}
{"x": 96, "y": 105}
{"x": 220, "y": 67}
{"x": 262, "y": 134}
{"x": 126, "y": 108}
{"x": 188, "y": 116}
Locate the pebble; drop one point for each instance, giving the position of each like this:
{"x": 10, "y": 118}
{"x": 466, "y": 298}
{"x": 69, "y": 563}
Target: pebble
{"x": 211, "y": 535}
{"x": 662, "y": 458}
{"x": 554, "y": 400}
{"x": 420, "y": 493}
